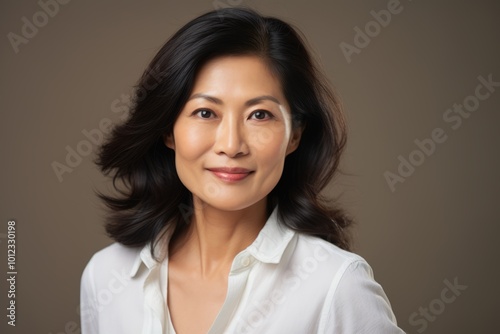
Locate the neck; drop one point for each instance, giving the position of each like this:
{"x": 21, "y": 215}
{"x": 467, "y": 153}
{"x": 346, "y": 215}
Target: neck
{"x": 214, "y": 237}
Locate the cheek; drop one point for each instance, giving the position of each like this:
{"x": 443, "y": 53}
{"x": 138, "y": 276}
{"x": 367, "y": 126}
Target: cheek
{"x": 271, "y": 145}
{"x": 190, "y": 142}
{"x": 271, "y": 141}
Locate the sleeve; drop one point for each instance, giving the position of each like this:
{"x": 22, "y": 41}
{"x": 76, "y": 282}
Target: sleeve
{"x": 88, "y": 301}
{"x": 357, "y": 304}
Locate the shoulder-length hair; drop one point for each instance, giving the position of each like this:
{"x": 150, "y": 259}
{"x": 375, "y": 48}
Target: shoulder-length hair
{"x": 136, "y": 156}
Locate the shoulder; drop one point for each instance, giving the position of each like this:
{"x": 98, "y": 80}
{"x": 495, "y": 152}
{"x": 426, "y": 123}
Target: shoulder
{"x": 352, "y": 292}
{"x": 108, "y": 289}
{"x": 323, "y": 268}
{"x": 115, "y": 260}
{"x": 345, "y": 272}
{"x": 115, "y": 253}
{"x": 313, "y": 249}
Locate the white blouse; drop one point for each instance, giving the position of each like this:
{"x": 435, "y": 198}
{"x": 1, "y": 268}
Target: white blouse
{"x": 284, "y": 282}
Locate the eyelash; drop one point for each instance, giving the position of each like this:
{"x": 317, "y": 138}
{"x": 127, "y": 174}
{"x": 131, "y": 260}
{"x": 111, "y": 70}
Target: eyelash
{"x": 198, "y": 111}
{"x": 268, "y": 114}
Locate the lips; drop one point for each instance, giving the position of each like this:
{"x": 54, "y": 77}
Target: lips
{"x": 230, "y": 174}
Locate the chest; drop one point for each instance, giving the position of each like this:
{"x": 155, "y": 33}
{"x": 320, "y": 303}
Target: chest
{"x": 194, "y": 302}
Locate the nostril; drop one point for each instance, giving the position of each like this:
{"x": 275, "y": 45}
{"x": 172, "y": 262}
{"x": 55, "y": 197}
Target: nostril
{"x": 230, "y": 139}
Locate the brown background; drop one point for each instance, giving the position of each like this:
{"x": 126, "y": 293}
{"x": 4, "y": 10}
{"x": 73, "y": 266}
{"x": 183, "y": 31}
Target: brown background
{"x": 441, "y": 223}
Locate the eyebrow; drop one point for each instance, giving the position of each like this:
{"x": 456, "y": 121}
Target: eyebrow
{"x": 248, "y": 103}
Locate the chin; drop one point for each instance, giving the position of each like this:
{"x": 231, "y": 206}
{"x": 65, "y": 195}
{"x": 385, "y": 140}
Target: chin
{"x": 229, "y": 204}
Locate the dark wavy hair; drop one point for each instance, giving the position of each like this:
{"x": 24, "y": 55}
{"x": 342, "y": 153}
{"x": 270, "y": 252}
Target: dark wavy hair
{"x": 150, "y": 195}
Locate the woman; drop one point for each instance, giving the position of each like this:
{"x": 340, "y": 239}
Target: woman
{"x": 218, "y": 222}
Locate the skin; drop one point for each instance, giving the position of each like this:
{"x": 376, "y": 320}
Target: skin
{"x": 236, "y": 117}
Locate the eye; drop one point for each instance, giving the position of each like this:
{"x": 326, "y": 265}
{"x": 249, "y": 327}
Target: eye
{"x": 204, "y": 113}
{"x": 261, "y": 115}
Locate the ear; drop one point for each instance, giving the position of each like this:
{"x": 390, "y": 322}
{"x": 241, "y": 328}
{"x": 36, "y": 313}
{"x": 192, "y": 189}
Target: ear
{"x": 294, "y": 140}
{"x": 168, "y": 139}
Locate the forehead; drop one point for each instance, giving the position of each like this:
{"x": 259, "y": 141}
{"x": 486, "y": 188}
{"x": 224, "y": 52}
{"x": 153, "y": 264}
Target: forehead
{"x": 237, "y": 75}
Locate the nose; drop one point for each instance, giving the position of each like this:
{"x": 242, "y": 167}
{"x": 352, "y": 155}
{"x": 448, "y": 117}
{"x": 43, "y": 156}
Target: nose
{"x": 230, "y": 138}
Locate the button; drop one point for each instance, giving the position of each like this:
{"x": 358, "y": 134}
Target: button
{"x": 245, "y": 262}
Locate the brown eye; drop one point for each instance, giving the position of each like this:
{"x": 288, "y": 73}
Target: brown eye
{"x": 204, "y": 113}
{"x": 261, "y": 115}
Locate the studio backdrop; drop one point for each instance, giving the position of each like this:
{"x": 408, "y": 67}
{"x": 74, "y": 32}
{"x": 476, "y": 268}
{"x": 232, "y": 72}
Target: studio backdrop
{"x": 420, "y": 84}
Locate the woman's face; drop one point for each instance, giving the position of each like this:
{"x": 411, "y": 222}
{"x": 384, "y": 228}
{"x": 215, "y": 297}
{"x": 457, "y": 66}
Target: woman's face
{"x": 232, "y": 136}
